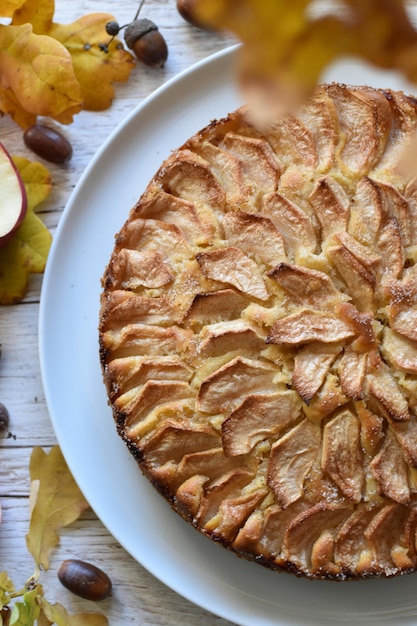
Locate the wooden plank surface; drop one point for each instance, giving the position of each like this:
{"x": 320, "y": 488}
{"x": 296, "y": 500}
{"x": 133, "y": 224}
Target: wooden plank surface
{"x": 138, "y": 598}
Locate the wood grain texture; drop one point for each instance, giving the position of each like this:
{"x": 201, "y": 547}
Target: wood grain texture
{"x": 138, "y": 598}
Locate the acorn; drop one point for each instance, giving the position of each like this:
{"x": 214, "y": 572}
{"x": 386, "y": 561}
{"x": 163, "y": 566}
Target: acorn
{"x": 4, "y": 420}
{"x": 187, "y": 10}
{"x": 85, "y": 579}
{"x": 142, "y": 36}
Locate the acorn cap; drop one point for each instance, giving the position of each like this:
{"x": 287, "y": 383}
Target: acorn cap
{"x": 137, "y": 29}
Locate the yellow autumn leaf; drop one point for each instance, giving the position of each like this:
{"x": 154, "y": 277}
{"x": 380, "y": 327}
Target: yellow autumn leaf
{"x": 6, "y": 588}
{"x": 8, "y": 7}
{"x": 288, "y": 45}
{"x": 57, "y": 614}
{"x": 38, "y": 71}
{"x": 39, "y": 13}
{"x": 95, "y": 69}
{"x": 28, "y": 249}
{"x": 58, "y": 502}
{"x": 36, "y": 178}
{"x": 55, "y": 70}
{"x": 24, "y": 613}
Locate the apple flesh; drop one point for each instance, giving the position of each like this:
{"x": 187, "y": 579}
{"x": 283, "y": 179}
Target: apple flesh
{"x": 13, "y": 199}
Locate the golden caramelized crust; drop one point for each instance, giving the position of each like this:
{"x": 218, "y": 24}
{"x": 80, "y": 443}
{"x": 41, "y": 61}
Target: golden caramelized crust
{"x": 258, "y": 335}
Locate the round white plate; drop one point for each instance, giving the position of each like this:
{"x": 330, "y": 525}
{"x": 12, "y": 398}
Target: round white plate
{"x": 134, "y": 513}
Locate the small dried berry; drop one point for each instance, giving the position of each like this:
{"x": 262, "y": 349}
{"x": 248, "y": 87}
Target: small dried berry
{"x": 112, "y": 28}
{"x": 4, "y": 420}
{"x": 143, "y": 37}
{"x": 48, "y": 143}
{"x": 85, "y": 580}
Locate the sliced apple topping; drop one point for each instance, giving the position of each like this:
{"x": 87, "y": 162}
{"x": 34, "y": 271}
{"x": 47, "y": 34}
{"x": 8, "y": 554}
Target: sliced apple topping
{"x": 173, "y": 439}
{"x": 410, "y": 195}
{"x": 398, "y": 208}
{"x": 331, "y": 205}
{"x": 304, "y": 285}
{"x": 256, "y": 236}
{"x": 390, "y": 471}
{"x": 215, "y": 306}
{"x": 406, "y": 434}
{"x": 350, "y": 543}
{"x": 151, "y": 395}
{"x": 141, "y": 339}
{"x": 352, "y": 372}
{"x": 227, "y": 169}
{"x": 258, "y": 161}
{"x": 231, "y": 266}
{"x": 232, "y": 515}
{"x": 328, "y": 398}
{"x": 211, "y": 462}
{"x": 372, "y": 429}
{"x": 293, "y": 143}
{"x": 196, "y": 224}
{"x": 189, "y": 495}
{"x": 307, "y": 527}
{"x": 224, "y": 337}
{"x": 132, "y": 269}
{"x": 123, "y": 307}
{"x": 311, "y": 366}
{"x": 402, "y": 309}
{"x": 187, "y": 175}
{"x": 403, "y": 128}
{"x": 292, "y": 222}
{"x": 358, "y": 279}
{"x": 291, "y": 459}
{"x": 400, "y": 351}
{"x": 155, "y": 236}
{"x": 382, "y": 533}
{"x": 230, "y": 383}
{"x": 134, "y": 371}
{"x": 367, "y": 213}
{"x": 365, "y": 121}
{"x": 306, "y": 326}
{"x": 319, "y": 115}
{"x": 386, "y": 393}
{"x": 342, "y": 457}
{"x": 260, "y": 416}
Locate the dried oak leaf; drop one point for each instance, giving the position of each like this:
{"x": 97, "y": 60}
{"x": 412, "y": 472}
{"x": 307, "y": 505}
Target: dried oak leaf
{"x": 8, "y": 7}
{"x": 25, "y": 612}
{"x": 287, "y": 46}
{"x": 6, "y": 588}
{"x": 28, "y": 250}
{"x": 96, "y": 70}
{"x": 56, "y": 502}
{"x": 57, "y": 614}
{"x": 36, "y": 77}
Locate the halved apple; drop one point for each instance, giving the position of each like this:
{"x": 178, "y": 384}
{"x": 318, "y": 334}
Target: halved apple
{"x": 13, "y": 198}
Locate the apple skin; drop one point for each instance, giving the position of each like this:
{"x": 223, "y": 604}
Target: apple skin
{"x": 13, "y": 197}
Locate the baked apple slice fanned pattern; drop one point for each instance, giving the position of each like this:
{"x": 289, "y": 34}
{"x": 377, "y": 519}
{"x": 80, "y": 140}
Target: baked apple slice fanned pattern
{"x": 258, "y": 335}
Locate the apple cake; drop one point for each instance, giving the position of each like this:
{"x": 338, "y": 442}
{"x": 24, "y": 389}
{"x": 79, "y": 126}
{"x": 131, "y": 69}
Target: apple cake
{"x": 258, "y": 334}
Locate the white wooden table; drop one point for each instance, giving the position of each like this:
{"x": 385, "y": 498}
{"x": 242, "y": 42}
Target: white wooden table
{"x": 138, "y": 598}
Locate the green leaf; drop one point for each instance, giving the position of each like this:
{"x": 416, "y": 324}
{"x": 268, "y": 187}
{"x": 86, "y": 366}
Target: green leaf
{"x": 58, "y": 615}
{"x": 6, "y": 588}
{"x": 26, "y": 612}
{"x": 56, "y": 502}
